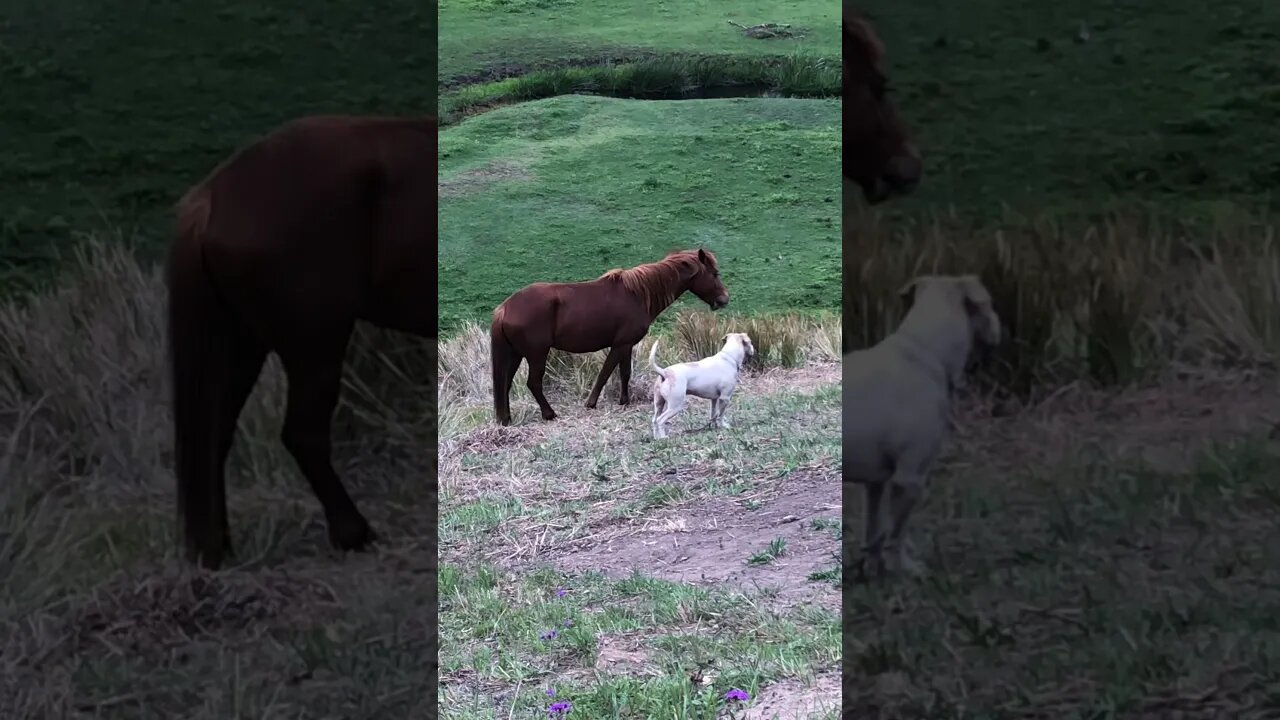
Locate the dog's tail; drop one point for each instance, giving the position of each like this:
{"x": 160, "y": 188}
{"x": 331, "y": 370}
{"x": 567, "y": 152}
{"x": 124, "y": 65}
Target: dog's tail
{"x": 653, "y": 353}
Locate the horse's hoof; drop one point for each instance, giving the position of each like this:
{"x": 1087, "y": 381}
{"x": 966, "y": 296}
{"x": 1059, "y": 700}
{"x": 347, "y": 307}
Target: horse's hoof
{"x": 355, "y": 535}
{"x": 591, "y": 404}
{"x": 504, "y": 421}
{"x": 549, "y": 415}
{"x": 624, "y": 400}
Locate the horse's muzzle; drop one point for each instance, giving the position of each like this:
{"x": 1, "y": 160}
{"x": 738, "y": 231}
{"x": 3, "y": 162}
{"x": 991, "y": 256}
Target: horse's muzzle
{"x": 719, "y": 303}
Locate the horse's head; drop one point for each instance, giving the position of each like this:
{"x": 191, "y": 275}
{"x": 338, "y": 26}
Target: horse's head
{"x": 878, "y": 153}
{"x": 705, "y": 282}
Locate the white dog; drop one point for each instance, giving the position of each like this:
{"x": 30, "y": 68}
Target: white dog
{"x": 897, "y": 398}
{"x": 713, "y": 378}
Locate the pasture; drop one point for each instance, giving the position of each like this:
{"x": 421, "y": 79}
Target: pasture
{"x": 630, "y": 577}
{"x": 109, "y": 115}
{"x": 1100, "y": 532}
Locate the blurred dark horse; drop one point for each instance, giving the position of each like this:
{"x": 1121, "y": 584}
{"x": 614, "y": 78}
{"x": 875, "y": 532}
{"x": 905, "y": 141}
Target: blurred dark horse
{"x": 613, "y": 311}
{"x": 281, "y": 249}
{"x": 878, "y": 153}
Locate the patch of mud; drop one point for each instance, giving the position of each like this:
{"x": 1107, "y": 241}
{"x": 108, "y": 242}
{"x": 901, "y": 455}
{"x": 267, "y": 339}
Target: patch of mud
{"x": 708, "y": 542}
{"x": 478, "y": 179}
{"x": 793, "y": 700}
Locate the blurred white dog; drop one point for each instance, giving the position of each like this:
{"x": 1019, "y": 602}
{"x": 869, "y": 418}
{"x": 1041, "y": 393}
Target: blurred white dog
{"x": 713, "y": 378}
{"x": 897, "y": 399}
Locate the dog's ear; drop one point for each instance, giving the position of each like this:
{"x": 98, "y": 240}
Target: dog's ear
{"x": 974, "y": 292}
{"x": 908, "y": 292}
{"x": 725, "y": 339}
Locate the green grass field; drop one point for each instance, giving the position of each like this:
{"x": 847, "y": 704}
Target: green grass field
{"x": 1015, "y": 104}
{"x": 567, "y": 188}
{"x": 581, "y": 557}
{"x": 109, "y": 115}
{"x": 1099, "y": 534}
{"x": 483, "y": 39}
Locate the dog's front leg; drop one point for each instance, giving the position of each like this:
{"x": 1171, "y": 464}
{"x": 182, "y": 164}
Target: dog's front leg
{"x": 873, "y": 536}
{"x": 905, "y": 493}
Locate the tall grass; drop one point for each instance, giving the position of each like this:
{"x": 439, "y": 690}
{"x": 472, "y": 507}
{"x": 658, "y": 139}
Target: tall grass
{"x": 672, "y": 77}
{"x": 781, "y": 340}
{"x": 85, "y": 425}
{"x": 1116, "y": 301}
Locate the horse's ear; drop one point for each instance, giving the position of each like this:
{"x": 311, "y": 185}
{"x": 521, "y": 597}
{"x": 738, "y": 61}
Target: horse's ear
{"x": 702, "y": 257}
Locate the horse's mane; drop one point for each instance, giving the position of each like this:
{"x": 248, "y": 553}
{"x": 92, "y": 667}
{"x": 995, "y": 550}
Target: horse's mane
{"x": 658, "y": 283}
{"x": 863, "y": 39}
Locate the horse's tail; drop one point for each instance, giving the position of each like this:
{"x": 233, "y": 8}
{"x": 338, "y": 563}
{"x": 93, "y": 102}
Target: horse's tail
{"x": 653, "y": 354}
{"x": 502, "y": 353}
{"x": 199, "y": 333}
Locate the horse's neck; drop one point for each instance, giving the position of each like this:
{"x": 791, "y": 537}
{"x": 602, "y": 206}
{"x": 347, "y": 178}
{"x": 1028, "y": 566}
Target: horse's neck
{"x": 660, "y": 303}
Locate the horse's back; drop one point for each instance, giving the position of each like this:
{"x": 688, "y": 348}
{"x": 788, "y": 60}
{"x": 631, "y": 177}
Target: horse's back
{"x": 291, "y": 222}
{"x": 315, "y": 177}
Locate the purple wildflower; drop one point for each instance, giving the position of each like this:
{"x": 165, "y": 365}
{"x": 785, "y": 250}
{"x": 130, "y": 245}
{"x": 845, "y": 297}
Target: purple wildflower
{"x": 551, "y": 692}
{"x": 559, "y": 708}
{"x": 568, "y": 622}
{"x": 736, "y": 694}
{"x": 561, "y": 592}
{"x": 549, "y": 635}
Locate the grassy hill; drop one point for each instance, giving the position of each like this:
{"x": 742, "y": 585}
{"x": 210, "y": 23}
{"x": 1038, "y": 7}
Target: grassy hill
{"x": 111, "y": 112}
{"x": 567, "y": 188}
{"x": 1077, "y": 106}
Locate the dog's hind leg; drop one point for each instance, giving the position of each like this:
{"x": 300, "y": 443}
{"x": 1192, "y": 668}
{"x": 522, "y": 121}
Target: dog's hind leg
{"x": 675, "y": 404}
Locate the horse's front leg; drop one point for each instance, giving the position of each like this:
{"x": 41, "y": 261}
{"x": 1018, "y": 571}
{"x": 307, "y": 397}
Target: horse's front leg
{"x": 624, "y": 375}
{"x": 610, "y": 362}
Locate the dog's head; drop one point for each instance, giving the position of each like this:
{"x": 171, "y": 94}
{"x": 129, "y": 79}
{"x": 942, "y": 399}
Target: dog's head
{"x": 968, "y": 293}
{"x": 742, "y": 340}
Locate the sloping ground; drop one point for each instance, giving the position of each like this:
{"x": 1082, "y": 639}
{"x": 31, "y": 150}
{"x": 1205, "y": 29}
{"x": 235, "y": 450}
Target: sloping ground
{"x": 728, "y": 538}
{"x": 1104, "y": 554}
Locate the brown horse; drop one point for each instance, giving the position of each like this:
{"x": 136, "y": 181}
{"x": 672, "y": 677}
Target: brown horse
{"x": 281, "y": 249}
{"x": 878, "y": 153}
{"x": 613, "y": 311}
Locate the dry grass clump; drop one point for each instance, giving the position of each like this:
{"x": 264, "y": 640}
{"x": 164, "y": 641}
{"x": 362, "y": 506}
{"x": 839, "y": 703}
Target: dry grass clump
{"x": 1113, "y": 302}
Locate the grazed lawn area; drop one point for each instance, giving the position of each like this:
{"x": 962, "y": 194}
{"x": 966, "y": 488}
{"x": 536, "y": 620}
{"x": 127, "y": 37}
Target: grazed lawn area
{"x": 567, "y": 188}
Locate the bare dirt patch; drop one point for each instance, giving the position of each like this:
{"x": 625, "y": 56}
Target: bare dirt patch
{"x": 1163, "y": 426}
{"x": 481, "y": 178}
{"x": 795, "y": 700}
{"x": 709, "y": 541}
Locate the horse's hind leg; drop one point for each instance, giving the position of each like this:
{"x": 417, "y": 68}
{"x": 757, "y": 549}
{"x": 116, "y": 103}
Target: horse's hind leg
{"x": 624, "y": 375}
{"x": 315, "y": 374}
{"x": 245, "y": 361}
{"x": 610, "y": 362}
{"x": 537, "y": 369}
